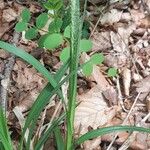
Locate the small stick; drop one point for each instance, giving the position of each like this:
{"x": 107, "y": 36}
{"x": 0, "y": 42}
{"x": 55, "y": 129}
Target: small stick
{"x": 129, "y": 113}
{"x": 128, "y": 142}
{"x": 6, "y": 77}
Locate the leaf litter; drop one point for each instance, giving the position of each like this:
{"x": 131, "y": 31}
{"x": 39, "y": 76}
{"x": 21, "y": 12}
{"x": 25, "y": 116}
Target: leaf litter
{"x": 123, "y": 36}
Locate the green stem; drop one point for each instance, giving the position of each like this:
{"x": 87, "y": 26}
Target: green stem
{"x": 74, "y": 57}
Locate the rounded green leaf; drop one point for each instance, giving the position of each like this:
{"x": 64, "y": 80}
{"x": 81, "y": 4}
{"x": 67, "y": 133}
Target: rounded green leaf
{"x": 48, "y": 5}
{"x": 97, "y": 59}
{"x": 21, "y": 26}
{"x": 87, "y": 69}
{"x": 41, "y": 20}
{"x": 55, "y": 25}
{"x": 67, "y": 32}
{"x": 31, "y": 33}
{"x": 42, "y": 40}
{"x": 65, "y": 54}
{"x": 26, "y": 15}
{"x": 58, "y": 5}
{"x": 112, "y": 72}
{"x": 85, "y": 45}
{"x": 53, "y": 41}
{"x": 53, "y": 5}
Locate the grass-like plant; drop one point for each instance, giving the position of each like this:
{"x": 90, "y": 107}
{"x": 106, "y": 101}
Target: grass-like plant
{"x": 54, "y": 87}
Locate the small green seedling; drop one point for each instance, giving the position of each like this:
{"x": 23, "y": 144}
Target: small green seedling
{"x": 112, "y": 72}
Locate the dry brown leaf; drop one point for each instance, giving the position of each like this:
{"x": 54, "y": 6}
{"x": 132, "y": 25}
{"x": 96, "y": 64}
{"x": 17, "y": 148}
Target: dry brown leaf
{"x": 101, "y": 41}
{"x": 92, "y": 111}
{"x": 27, "y": 78}
{"x": 2, "y": 4}
{"x": 144, "y": 85}
{"x": 117, "y": 61}
{"x": 111, "y": 17}
{"x": 108, "y": 91}
{"x": 92, "y": 144}
{"x": 9, "y": 14}
{"x": 4, "y": 54}
{"x": 29, "y": 82}
{"x": 119, "y": 55}
{"x": 137, "y": 15}
{"x": 3, "y": 28}
{"x": 120, "y": 40}
{"x": 96, "y": 74}
{"x": 148, "y": 3}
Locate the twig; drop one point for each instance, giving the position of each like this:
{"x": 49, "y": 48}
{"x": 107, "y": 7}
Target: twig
{"x": 129, "y": 113}
{"x": 7, "y": 73}
{"x": 128, "y": 142}
{"x": 99, "y": 19}
{"x": 120, "y": 95}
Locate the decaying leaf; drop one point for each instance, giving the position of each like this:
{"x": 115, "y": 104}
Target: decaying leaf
{"x": 143, "y": 87}
{"x": 111, "y": 17}
{"x": 101, "y": 41}
{"x": 9, "y": 14}
{"x": 92, "y": 111}
{"x": 29, "y": 83}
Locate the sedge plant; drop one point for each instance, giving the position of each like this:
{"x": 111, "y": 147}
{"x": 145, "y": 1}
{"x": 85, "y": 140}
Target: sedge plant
{"x": 70, "y": 57}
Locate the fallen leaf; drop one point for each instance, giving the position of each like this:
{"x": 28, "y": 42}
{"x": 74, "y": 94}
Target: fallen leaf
{"x": 101, "y": 41}
{"x": 29, "y": 83}
{"x": 143, "y": 86}
{"x": 111, "y": 17}
{"x": 9, "y": 15}
{"x": 92, "y": 111}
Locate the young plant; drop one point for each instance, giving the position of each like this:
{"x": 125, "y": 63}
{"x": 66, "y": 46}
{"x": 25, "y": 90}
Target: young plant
{"x": 70, "y": 58}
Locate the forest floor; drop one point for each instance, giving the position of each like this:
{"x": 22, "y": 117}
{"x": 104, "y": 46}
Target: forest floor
{"x": 118, "y": 29}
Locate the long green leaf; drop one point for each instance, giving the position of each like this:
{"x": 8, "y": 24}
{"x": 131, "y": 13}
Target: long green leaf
{"x": 74, "y": 62}
{"x": 40, "y": 103}
{"x": 59, "y": 139}
{"x": 99, "y": 132}
{"x": 4, "y": 133}
{"x": 46, "y": 134}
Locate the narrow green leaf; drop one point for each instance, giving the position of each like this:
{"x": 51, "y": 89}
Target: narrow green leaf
{"x": 74, "y": 62}
{"x": 41, "y": 102}
{"x": 41, "y": 20}
{"x": 87, "y": 69}
{"x": 59, "y": 139}
{"x": 97, "y": 59}
{"x": 21, "y": 26}
{"x": 31, "y": 33}
{"x": 67, "y": 32}
{"x": 85, "y": 45}
{"x": 65, "y": 54}
{"x": 102, "y": 131}
{"x": 26, "y": 15}
{"x": 4, "y": 132}
{"x": 112, "y": 72}
{"x": 47, "y": 133}
{"x": 53, "y": 41}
